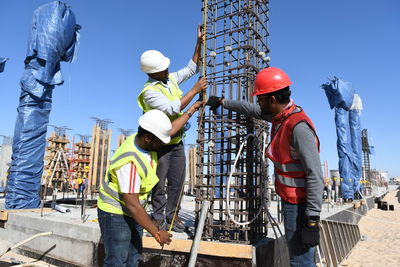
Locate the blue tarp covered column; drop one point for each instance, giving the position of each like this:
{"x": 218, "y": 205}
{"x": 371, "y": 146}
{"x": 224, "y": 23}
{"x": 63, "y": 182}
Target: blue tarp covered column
{"x": 345, "y": 151}
{"x": 53, "y": 39}
{"x": 356, "y": 145}
{"x": 340, "y": 96}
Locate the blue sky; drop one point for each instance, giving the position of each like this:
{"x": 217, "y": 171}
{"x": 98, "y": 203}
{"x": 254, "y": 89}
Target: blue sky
{"x": 311, "y": 40}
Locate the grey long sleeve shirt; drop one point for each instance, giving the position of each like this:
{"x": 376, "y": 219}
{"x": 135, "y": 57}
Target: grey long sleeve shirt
{"x": 303, "y": 148}
{"x": 159, "y": 101}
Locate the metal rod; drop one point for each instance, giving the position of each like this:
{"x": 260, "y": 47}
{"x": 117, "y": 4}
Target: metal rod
{"x": 199, "y": 232}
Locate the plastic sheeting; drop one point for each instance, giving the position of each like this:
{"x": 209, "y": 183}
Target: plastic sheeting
{"x": 345, "y": 151}
{"x": 340, "y": 96}
{"x": 339, "y": 93}
{"x": 356, "y": 145}
{"x": 53, "y": 38}
{"x": 3, "y": 61}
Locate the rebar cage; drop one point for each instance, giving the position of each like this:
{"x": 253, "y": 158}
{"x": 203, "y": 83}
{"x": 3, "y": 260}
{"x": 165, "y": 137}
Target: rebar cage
{"x": 235, "y": 50}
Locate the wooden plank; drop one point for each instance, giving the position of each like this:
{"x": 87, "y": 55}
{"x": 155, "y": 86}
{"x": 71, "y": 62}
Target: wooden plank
{"x": 206, "y": 248}
{"x": 29, "y": 210}
{"x": 3, "y": 215}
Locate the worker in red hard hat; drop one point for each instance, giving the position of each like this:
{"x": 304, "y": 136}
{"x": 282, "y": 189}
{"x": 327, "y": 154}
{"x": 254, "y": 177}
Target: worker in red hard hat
{"x": 294, "y": 150}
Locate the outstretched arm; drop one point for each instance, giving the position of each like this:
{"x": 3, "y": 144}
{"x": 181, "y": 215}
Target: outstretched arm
{"x": 142, "y": 218}
{"x": 199, "y": 42}
{"x": 178, "y": 124}
{"x": 200, "y": 86}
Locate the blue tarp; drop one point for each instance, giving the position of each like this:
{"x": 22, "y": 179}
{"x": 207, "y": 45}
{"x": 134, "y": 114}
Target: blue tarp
{"x": 53, "y": 38}
{"x": 3, "y": 61}
{"x": 340, "y": 96}
{"x": 355, "y": 132}
{"x": 345, "y": 151}
{"x": 339, "y": 93}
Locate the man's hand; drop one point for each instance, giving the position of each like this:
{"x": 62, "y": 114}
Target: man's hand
{"x": 214, "y": 102}
{"x": 310, "y": 233}
{"x": 195, "y": 107}
{"x": 163, "y": 237}
{"x": 200, "y": 34}
{"x": 200, "y": 86}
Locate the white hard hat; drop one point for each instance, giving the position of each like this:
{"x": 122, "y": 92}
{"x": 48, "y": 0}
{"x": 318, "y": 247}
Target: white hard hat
{"x": 157, "y": 123}
{"x": 153, "y": 61}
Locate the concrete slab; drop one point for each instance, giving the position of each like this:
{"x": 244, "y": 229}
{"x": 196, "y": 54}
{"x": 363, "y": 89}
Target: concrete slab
{"x": 77, "y": 243}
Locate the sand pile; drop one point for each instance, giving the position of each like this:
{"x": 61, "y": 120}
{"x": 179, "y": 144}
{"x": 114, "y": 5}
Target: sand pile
{"x": 381, "y": 231}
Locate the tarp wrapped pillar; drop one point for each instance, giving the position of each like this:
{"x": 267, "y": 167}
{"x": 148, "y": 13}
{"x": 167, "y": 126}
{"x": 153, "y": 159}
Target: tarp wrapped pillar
{"x": 53, "y": 38}
{"x": 356, "y": 143}
{"x": 345, "y": 151}
{"x": 340, "y": 96}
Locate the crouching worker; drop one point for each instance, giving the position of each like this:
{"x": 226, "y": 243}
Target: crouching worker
{"x": 130, "y": 178}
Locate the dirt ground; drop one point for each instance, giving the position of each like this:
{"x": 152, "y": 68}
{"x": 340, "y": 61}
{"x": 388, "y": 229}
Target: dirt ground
{"x": 381, "y": 231}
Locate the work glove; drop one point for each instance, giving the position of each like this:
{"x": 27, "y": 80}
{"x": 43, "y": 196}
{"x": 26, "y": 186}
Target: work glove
{"x": 310, "y": 233}
{"x": 214, "y": 102}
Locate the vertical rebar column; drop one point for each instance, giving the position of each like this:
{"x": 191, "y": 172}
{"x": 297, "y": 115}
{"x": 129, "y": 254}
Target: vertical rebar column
{"x": 235, "y": 50}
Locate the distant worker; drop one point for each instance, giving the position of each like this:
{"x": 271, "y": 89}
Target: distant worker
{"x": 161, "y": 91}
{"x": 81, "y": 186}
{"x": 294, "y": 151}
{"x": 130, "y": 178}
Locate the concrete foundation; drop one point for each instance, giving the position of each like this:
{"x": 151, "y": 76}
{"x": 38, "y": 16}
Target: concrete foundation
{"x": 77, "y": 243}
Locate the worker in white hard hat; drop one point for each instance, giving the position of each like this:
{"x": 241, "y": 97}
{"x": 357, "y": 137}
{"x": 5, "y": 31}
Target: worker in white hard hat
{"x": 161, "y": 91}
{"x": 124, "y": 193}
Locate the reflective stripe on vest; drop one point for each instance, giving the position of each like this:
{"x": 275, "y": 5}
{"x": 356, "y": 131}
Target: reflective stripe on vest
{"x": 288, "y": 167}
{"x": 116, "y": 195}
{"x": 128, "y": 154}
{"x": 292, "y": 182}
{"x": 171, "y": 92}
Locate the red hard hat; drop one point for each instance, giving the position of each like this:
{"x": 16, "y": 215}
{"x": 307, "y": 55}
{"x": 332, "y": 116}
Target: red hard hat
{"x": 270, "y": 80}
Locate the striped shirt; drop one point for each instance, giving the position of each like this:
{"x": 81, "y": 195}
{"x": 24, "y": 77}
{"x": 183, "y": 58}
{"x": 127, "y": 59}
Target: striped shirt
{"x": 128, "y": 178}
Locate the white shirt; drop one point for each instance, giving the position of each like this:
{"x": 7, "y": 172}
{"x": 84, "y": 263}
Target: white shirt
{"x": 128, "y": 178}
{"x": 159, "y": 101}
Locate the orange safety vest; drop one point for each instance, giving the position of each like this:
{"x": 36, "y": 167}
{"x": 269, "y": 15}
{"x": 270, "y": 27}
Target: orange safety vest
{"x": 290, "y": 177}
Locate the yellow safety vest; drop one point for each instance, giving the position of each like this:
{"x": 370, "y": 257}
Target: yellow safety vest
{"x": 110, "y": 196}
{"x": 175, "y": 94}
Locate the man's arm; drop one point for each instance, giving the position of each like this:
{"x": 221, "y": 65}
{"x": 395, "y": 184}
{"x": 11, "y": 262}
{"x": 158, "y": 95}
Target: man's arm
{"x": 245, "y": 108}
{"x": 199, "y": 86}
{"x": 129, "y": 182}
{"x": 139, "y": 214}
{"x": 304, "y": 143}
{"x": 192, "y": 67}
{"x": 199, "y": 42}
{"x": 178, "y": 124}
{"x": 158, "y": 100}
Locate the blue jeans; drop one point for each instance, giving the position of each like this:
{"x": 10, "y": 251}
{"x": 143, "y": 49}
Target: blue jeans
{"x": 122, "y": 238}
{"x": 293, "y": 220}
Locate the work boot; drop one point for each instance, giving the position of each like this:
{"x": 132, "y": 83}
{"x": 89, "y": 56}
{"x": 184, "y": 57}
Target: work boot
{"x": 178, "y": 225}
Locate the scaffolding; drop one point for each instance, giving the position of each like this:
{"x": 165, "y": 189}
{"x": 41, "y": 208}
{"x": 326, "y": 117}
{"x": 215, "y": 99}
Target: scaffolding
{"x": 124, "y": 134}
{"x": 56, "y": 169}
{"x": 99, "y": 153}
{"x": 366, "y": 163}
{"x": 82, "y": 157}
{"x": 234, "y": 51}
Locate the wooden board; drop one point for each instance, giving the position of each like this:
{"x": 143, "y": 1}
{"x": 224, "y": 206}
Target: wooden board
{"x": 217, "y": 249}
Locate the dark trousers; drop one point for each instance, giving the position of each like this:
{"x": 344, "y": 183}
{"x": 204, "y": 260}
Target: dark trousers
{"x": 171, "y": 172}
{"x": 122, "y": 238}
{"x": 293, "y": 220}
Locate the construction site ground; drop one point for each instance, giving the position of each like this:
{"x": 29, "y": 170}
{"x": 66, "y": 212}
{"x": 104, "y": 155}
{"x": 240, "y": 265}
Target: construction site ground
{"x": 80, "y": 237}
{"x": 381, "y": 237}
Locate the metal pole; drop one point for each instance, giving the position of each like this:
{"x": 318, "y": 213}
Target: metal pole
{"x": 199, "y": 231}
